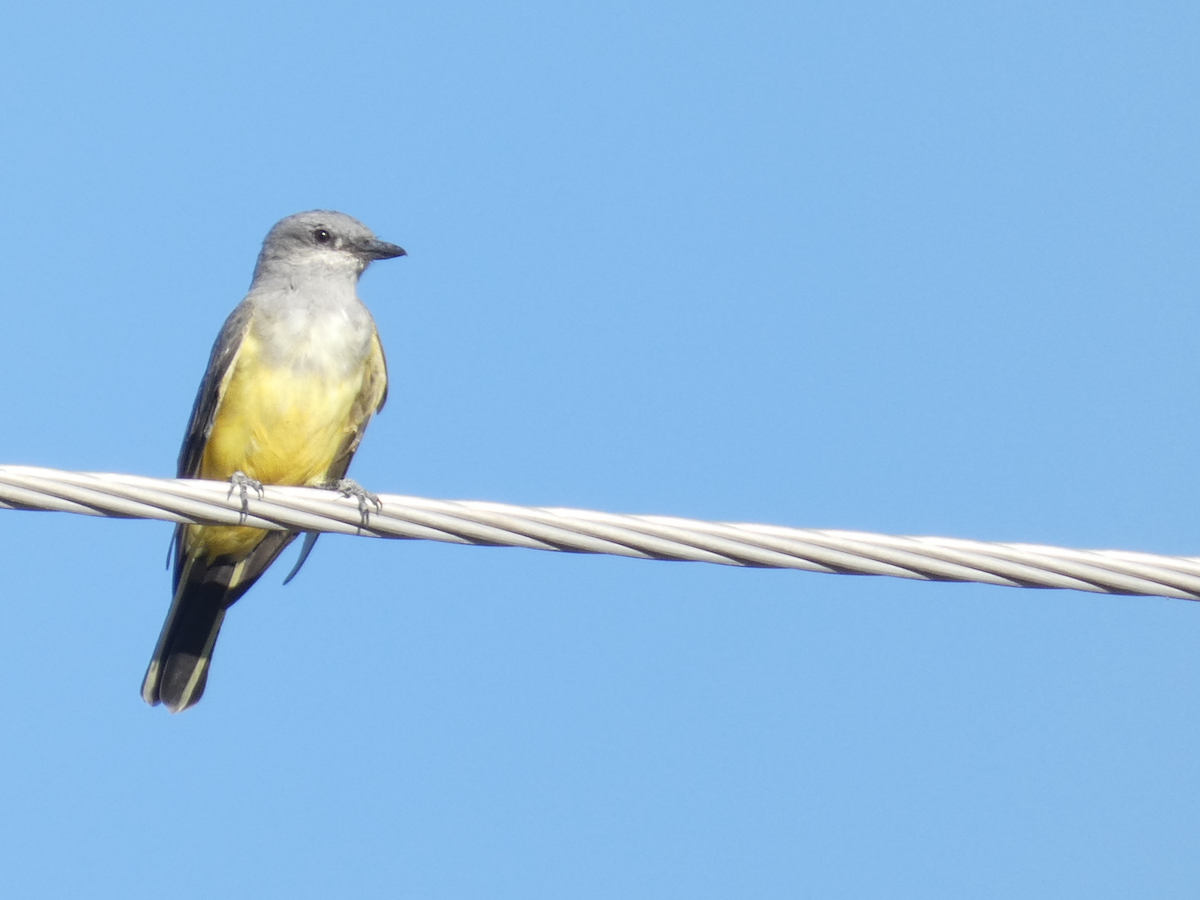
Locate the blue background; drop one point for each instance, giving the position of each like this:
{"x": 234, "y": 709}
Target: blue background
{"x": 919, "y": 268}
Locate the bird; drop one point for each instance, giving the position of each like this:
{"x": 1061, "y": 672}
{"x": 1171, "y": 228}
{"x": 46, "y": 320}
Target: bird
{"x": 294, "y": 377}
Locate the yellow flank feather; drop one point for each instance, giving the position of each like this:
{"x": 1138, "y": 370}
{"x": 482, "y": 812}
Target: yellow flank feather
{"x": 280, "y": 426}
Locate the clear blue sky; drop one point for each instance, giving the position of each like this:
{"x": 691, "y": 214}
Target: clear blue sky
{"x": 920, "y": 268}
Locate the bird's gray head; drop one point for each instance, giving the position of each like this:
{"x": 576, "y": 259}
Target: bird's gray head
{"x": 321, "y": 243}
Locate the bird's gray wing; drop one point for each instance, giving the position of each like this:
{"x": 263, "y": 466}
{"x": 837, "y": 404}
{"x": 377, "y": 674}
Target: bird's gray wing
{"x": 212, "y": 388}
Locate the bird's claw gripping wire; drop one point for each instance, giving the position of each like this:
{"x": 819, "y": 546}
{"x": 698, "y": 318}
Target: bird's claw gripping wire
{"x": 348, "y": 487}
{"x": 243, "y": 483}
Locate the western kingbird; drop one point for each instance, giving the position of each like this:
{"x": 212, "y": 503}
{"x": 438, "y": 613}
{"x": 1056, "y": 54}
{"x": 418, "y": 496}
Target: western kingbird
{"x": 295, "y": 375}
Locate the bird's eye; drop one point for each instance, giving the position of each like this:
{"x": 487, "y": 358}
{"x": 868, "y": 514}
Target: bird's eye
{"x": 322, "y": 236}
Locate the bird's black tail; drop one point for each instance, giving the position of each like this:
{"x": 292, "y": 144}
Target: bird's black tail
{"x": 178, "y": 670}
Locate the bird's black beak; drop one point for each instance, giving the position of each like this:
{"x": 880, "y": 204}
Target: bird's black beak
{"x": 381, "y": 250}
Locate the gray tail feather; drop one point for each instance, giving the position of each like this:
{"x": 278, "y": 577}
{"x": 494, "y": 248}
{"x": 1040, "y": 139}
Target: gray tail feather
{"x": 179, "y": 668}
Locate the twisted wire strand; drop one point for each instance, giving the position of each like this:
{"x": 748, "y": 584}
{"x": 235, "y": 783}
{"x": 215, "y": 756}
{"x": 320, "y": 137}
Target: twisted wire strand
{"x": 586, "y": 531}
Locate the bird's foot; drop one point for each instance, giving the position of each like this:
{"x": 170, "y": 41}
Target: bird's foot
{"x": 348, "y": 487}
{"x": 244, "y": 484}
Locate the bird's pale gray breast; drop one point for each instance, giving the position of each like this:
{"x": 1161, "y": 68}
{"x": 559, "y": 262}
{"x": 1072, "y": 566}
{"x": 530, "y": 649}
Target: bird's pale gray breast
{"x": 327, "y": 331}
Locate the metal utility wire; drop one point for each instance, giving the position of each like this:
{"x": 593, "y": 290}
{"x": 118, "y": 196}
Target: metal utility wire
{"x": 584, "y": 531}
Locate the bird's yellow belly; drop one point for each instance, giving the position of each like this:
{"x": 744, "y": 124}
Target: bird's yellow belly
{"x": 278, "y": 426}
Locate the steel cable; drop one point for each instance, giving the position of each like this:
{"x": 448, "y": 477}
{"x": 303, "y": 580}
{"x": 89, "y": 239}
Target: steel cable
{"x": 585, "y": 531}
